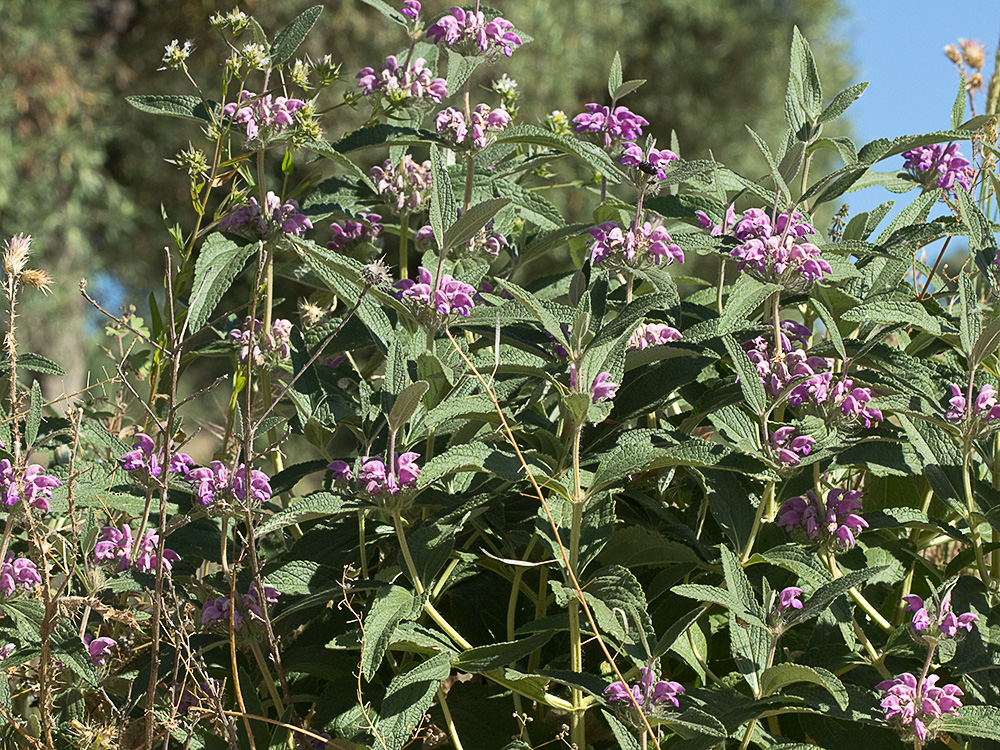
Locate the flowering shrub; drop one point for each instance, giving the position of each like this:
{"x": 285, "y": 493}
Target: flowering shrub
{"x": 501, "y": 497}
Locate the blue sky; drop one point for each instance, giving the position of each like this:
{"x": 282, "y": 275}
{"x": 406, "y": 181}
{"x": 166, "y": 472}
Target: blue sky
{"x": 897, "y": 46}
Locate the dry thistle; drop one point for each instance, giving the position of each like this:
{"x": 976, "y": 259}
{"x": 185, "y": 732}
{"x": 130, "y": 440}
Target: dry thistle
{"x": 15, "y": 255}
{"x": 40, "y": 280}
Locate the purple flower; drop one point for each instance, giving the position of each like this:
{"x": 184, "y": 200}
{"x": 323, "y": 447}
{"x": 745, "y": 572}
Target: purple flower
{"x": 985, "y": 407}
{"x": 603, "y": 388}
{"x": 263, "y": 114}
{"x": 252, "y": 343}
{"x": 450, "y": 296}
{"x": 415, "y": 82}
{"x": 938, "y": 165}
{"x": 404, "y": 185}
{"x": 833, "y": 523}
{"x": 37, "y": 487}
{"x": 789, "y": 598}
{"x": 18, "y": 571}
{"x": 249, "y": 219}
{"x": 411, "y": 8}
{"x": 483, "y": 122}
{"x": 216, "y": 482}
{"x": 7, "y": 651}
{"x": 610, "y": 127}
{"x": 654, "y": 163}
{"x": 354, "y": 233}
{"x": 912, "y": 709}
{"x": 378, "y": 480}
{"x": 144, "y": 457}
{"x": 341, "y": 471}
{"x": 471, "y": 32}
{"x": 790, "y": 449}
{"x": 249, "y": 608}
{"x": 98, "y": 648}
{"x": 938, "y": 621}
{"x": 114, "y": 545}
{"x": 652, "y": 334}
{"x": 648, "y": 694}
{"x": 638, "y": 246}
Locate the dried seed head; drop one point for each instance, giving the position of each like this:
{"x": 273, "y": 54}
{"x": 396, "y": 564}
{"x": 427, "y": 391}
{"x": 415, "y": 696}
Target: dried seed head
{"x": 376, "y": 274}
{"x": 37, "y": 279}
{"x": 15, "y": 255}
{"x": 952, "y": 53}
{"x": 973, "y": 53}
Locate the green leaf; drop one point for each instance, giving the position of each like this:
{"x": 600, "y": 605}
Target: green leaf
{"x": 986, "y": 344}
{"x": 290, "y": 37}
{"x": 387, "y": 10}
{"x": 33, "y": 362}
{"x": 780, "y": 675}
{"x": 615, "y": 76}
{"x": 472, "y": 457}
{"x": 892, "y": 311}
{"x": 538, "y": 310}
{"x": 745, "y": 296}
{"x": 175, "y": 105}
{"x": 824, "y": 314}
{"x": 980, "y": 229}
{"x": 34, "y": 416}
{"x": 406, "y": 404}
{"x": 750, "y": 384}
{"x": 317, "y": 505}
{"x": 221, "y": 260}
{"x": 803, "y": 78}
{"x": 709, "y": 594}
{"x": 779, "y": 182}
{"x": 327, "y": 151}
{"x": 738, "y": 585}
{"x": 694, "y": 722}
{"x": 470, "y": 222}
{"x": 496, "y": 655}
{"x": 615, "y": 595}
{"x": 460, "y": 69}
{"x": 379, "y": 136}
{"x": 627, "y": 88}
{"x": 842, "y": 101}
{"x": 443, "y": 212}
{"x": 623, "y": 735}
{"x": 973, "y": 721}
{"x": 407, "y": 699}
{"x": 391, "y": 606}
{"x": 590, "y": 153}
{"x": 958, "y": 108}
{"x": 970, "y": 321}
{"x": 828, "y": 592}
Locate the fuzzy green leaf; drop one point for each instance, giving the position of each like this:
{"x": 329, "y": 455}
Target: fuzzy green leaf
{"x": 407, "y": 699}
{"x": 34, "y": 417}
{"x": 290, "y": 37}
{"x": 406, "y": 404}
{"x": 392, "y": 604}
{"x": 615, "y": 76}
{"x": 175, "y": 105}
{"x": 221, "y": 260}
{"x": 470, "y": 222}
{"x": 780, "y": 675}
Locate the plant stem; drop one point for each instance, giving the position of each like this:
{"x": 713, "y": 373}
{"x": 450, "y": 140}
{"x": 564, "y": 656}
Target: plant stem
{"x": 858, "y": 597}
{"x": 453, "y": 733}
{"x": 970, "y": 504}
{"x": 578, "y": 734}
{"x": 404, "y": 238}
{"x": 765, "y": 502}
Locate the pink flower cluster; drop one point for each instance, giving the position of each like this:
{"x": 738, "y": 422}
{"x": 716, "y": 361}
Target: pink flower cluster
{"x": 790, "y": 447}
{"x": 144, "y": 457}
{"x": 116, "y": 546}
{"x": 483, "y": 122}
{"x": 277, "y": 341}
{"x": 263, "y": 113}
{"x": 639, "y": 244}
{"x": 810, "y": 380}
{"x": 985, "y": 406}
{"x": 938, "y": 165}
{"x": 249, "y": 607}
{"x": 471, "y": 31}
{"x": 378, "y": 479}
{"x": 913, "y": 709}
{"x": 284, "y": 216}
{"x": 652, "y": 334}
{"x": 653, "y": 164}
{"x": 18, "y": 571}
{"x": 399, "y": 84}
{"x": 36, "y": 486}
{"x": 609, "y": 126}
{"x": 602, "y": 389}
{"x": 789, "y": 599}
{"x": 404, "y": 185}
{"x": 938, "y": 622}
{"x": 214, "y": 483}
{"x": 448, "y": 296}
{"x": 355, "y": 232}
{"x": 833, "y": 522}
{"x": 647, "y": 693}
